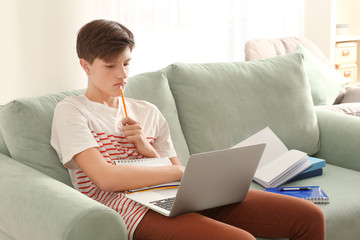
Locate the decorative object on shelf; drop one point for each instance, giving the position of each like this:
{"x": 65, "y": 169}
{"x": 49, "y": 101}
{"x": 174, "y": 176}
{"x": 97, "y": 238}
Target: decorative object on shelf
{"x": 341, "y": 28}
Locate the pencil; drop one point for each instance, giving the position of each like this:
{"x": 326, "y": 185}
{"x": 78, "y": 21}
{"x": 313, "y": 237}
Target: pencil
{"x": 152, "y": 188}
{"x": 123, "y": 100}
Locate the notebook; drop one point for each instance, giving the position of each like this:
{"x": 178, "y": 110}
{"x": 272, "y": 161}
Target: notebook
{"x": 311, "y": 193}
{"x": 149, "y": 162}
{"x": 210, "y": 179}
{"x": 278, "y": 164}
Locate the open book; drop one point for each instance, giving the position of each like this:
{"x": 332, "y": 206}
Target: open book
{"x": 149, "y": 162}
{"x": 278, "y": 164}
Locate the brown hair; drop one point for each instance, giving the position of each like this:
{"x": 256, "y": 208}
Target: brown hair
{"x": 103, "y": 39}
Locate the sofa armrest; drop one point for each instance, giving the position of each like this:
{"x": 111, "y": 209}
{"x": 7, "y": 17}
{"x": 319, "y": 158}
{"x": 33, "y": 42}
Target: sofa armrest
{"x": 339, "y": 139}
{"x": 35, "y": 206}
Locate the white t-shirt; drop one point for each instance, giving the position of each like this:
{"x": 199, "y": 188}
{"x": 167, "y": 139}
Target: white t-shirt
{"x": 80, "y": 124}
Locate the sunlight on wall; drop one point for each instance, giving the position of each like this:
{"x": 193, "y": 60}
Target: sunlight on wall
{"x": 38, "y": 49}
{"x": 204, "y": 30}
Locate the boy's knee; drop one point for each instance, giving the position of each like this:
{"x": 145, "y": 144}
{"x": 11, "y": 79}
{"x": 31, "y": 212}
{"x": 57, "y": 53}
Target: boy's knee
{"x": 312, "y": 224}
{"x": 316, "y": 215}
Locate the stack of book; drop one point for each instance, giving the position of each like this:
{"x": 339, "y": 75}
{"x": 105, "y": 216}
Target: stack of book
{"x": 316, "y": 169}
{"x": 279, "y": 165}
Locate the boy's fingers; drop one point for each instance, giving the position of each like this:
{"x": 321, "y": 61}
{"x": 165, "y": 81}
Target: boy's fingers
{"x": 128, "y": 120}
{"x": 128, "y": 127}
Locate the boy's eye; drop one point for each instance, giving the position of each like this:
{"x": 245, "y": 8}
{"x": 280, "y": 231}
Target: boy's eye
{"x": 109, "y": 66}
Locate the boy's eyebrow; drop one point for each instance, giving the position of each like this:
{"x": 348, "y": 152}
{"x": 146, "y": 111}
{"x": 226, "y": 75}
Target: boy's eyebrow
{"x": 118, "y": 61}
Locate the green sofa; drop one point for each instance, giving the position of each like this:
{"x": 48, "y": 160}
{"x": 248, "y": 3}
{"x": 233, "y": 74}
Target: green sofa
{"x": 208, "y": 106}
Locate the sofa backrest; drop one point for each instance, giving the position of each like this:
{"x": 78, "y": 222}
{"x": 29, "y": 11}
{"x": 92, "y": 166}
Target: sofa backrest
{"x": 25, "y": 124}
{"x": 261, "y": 48}
{"x": 3, "y": 147}
{"x": 221, "y": 104}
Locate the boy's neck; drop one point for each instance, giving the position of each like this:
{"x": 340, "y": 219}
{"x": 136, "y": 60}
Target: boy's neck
{"x": 109, "y": 101}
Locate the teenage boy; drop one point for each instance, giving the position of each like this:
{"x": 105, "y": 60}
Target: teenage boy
{"x": 91, "y": 131}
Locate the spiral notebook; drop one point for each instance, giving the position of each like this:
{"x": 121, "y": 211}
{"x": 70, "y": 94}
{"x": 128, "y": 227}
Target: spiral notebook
{"x": 163, "y": 161}
{"x": 311, "y": 193}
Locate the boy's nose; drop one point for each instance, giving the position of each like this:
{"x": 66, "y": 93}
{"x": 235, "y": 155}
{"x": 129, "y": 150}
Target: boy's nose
{"x": 122, "y": 73}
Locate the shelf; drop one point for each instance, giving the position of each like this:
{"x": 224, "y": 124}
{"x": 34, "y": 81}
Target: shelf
{"x": 346, "y": 38}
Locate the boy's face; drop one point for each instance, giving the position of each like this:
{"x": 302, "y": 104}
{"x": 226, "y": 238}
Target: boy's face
{"x": 106, "y": 78}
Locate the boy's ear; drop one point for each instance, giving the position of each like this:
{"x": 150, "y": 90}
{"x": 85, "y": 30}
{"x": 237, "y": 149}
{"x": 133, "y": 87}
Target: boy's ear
{"x": 85, "y": 65}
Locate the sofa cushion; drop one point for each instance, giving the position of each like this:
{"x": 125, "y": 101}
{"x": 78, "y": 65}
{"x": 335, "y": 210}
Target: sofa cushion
{"x": 325, "y": 82}
{"x": 26, "y": 126}
{"x": 272, "y": 92}
{"x": 154, "y": 88}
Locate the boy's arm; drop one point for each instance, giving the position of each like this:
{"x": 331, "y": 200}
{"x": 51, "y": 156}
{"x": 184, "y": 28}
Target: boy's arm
{"x": 175, "y": 161}
{"x": 122, "y": 177}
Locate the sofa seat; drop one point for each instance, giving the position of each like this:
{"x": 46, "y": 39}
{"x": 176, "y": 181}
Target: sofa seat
{"x": 344, "y": 207}
{"x": 4, "y": 236}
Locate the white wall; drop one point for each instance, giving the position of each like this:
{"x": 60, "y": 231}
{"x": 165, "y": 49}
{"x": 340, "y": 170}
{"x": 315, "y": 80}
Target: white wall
{"x": 37, "y": 44}
{"x": 320, "y": 24}
{"x": 204, "y": 30}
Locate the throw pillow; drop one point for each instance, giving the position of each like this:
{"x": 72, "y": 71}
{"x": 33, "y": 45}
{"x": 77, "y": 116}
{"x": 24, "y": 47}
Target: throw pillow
{"x": 221, "y": 104}
{"x": 325, "y": 82}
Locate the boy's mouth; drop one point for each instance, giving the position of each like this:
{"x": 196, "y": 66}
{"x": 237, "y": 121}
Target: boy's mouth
{"x": 122, "y": 84}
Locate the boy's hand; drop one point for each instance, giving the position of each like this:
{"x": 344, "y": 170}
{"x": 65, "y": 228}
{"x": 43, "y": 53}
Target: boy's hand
{"x": 134, "y": 134}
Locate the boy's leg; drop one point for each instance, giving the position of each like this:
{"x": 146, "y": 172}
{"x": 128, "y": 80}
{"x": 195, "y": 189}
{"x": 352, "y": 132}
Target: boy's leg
{"x": 191, "y": 226}
{"x": 274, "y": 216}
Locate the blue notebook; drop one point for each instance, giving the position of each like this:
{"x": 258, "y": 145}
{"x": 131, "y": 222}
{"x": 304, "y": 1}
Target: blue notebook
{"x": 316, "y": 163}
{"x": 312, "y": 193}
{"x": 308, "y": 174}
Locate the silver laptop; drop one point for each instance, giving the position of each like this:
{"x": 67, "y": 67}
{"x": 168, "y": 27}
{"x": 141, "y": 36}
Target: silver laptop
{"x": 210, "y": 180}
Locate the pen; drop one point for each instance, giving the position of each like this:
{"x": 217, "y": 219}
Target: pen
{"x": 123, "y": 100}
{"x": 294, "y": 189}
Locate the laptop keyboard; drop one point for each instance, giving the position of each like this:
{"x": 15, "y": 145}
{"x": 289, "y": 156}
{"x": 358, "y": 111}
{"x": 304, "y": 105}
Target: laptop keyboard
{"x": 164, "y": 203}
